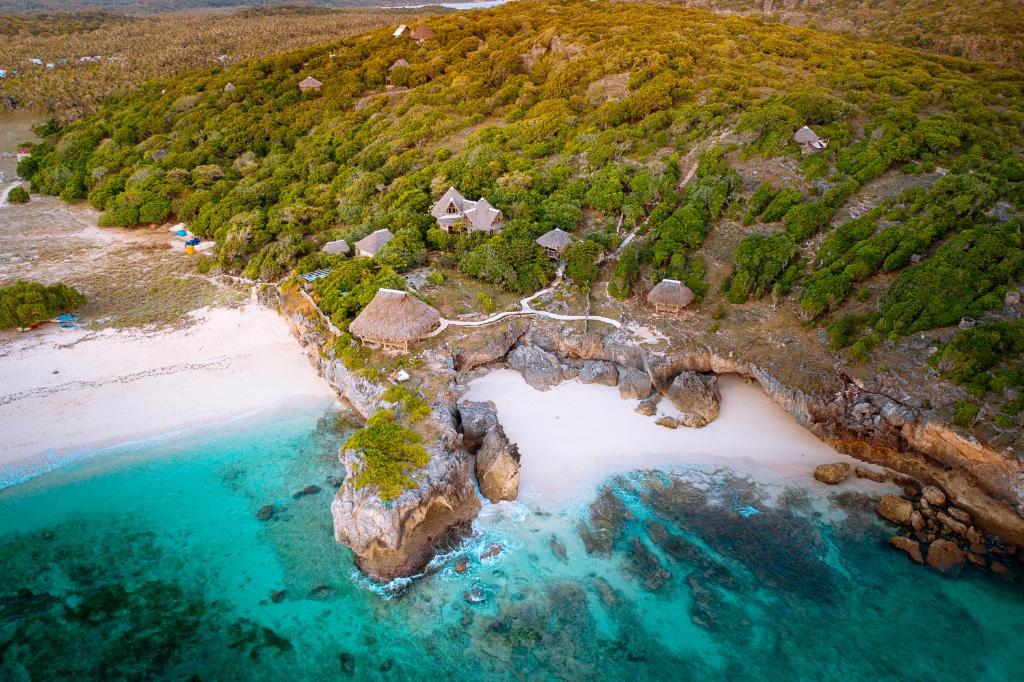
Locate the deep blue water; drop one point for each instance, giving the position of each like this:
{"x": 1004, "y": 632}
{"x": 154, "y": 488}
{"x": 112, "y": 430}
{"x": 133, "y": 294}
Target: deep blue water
{"x": 149, "y": 563}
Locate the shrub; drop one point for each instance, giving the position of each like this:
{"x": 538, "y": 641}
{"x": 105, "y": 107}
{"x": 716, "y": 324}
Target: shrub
{"x": 390, "y": 453}
{"x": 18, "y": 195}
{"x": 23, "y": 303}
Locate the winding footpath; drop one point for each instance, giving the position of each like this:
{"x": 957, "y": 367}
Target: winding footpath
{"x": 526, "y": 309}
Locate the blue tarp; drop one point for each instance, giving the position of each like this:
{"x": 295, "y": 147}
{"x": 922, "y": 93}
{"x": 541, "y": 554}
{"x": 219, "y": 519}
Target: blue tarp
{"x": 181, "y": 233}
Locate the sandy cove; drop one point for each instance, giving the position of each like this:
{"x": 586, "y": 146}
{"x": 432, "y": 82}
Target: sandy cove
{"x": 64, "y": 394}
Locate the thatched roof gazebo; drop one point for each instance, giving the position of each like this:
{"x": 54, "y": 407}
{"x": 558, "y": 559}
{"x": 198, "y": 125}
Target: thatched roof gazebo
{"x": 555, "y": 242}
{"x": 669, "y": 296}
{"x": 393, "y": 320}
{"x": 399, "y": 63}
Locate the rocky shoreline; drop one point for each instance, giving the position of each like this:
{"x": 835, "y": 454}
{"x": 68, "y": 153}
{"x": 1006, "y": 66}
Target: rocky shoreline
{"x": 468, "y": 447}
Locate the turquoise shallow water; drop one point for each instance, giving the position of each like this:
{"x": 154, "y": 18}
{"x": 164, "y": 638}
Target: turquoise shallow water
{"x": 149, "y": 563}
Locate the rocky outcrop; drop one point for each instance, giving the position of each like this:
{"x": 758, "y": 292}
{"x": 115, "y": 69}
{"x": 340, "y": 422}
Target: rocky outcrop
{"x": 540, "y": 369}
{"x": 944, "y": 555}
{"x": 599, "y": 372}
{"x": 832, "y": 474}
{"x": 910, "y": 546}
{"x": 497, "y": 466}
{"x": 477, "y": 418}
{"x": 895, "y": 509}
{"x": 400, "y": 537}
{"x": 634, "y": 384}
{"x": 696, "y": 396}
{"x": 487, "y": 345}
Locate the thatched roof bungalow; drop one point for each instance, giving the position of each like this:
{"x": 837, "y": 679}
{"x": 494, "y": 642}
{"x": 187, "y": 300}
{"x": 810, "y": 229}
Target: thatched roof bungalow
{"x": 372, "y": 243}
{"x": 393, "y": 320}
{"x": 421, "y": 33}
{"x": 809, "y": 140}
{"x": 474, "y": 216}
{"x": 399, "y": 63}
{"x": 339, "y": 247}
{"x": 310, "y": 84}
{"x": 555, "y": 242}
{"x": 669, "y": 296}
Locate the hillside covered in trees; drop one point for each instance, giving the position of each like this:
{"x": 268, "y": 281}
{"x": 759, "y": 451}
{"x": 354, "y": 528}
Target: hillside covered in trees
{"x": 587, "y": 116}
{"x": 96, "y": 54}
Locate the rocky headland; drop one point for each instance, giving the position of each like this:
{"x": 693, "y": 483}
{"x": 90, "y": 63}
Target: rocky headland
{"x": 469, "y": 449}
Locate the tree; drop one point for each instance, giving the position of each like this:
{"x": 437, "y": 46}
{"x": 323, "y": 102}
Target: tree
{"x": 581, "y": 263}
{"x": 18, "y": 195}
{"x": 627, "y": 271}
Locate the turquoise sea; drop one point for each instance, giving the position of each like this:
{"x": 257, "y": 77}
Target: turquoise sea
{"x": 149, "y": 562}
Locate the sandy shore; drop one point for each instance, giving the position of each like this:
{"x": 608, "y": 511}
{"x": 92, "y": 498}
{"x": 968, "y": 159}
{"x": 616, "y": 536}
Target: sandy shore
{"x": 63, "y": 393}
{"x": 575, "y": 435}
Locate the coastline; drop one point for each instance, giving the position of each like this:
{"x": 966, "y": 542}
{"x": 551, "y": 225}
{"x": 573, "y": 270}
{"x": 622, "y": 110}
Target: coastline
{"x": 70, "y": 393}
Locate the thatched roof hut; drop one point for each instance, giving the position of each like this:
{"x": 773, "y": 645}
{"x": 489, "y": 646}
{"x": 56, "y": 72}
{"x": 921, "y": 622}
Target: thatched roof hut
{"x": 336, "y": 248}
{"x": 669, "y": 296}
{"x": 372, "y": 243}
{"x": 393, "y": 320}
{"x": 399, "y": 63}
{"x": 421, "y": 33}
{"x": 809, "y": 140}
{"x": 555, "y": 242}
{"x": 310, "y": 83}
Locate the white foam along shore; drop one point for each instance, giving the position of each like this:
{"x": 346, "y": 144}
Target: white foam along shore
{"x": 576, "y": 435}
{"x": 64, "y": 393}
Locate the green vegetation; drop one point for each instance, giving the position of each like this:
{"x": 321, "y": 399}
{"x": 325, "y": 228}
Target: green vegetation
{"x": 577, "y": 115}
{"x": 18, "y": 195}
{"x": 390, "y": 454}
{"x": 988, "y": 360}
{"x": 23, "y": 304}
{"x": 412, "y": 405}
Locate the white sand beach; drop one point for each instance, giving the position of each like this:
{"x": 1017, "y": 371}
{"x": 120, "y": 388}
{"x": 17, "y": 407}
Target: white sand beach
{"x": 575, "y": 435}
{"x": 64, "y": 392}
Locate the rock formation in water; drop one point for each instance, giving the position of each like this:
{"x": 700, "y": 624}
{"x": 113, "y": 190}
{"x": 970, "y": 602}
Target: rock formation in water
{"x": 399, "y": 538}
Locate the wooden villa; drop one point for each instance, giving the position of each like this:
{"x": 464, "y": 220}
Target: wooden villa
{"x": 370, "y": 245}
{"x": 670, "y": 296}
{"x": 393, "y": 320}
{"x": 453, "y": 212}
{"x": 555, "y": 242}
{"x": 310, "y": 84}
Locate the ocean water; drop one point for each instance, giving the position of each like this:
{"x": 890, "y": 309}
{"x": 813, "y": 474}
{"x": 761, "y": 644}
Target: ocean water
{"x": 149, "y": 562}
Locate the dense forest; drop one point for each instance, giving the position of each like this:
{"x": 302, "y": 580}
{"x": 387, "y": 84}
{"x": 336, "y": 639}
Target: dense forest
{"x": 583, "y": 116}
{"x": 95, "y": 55}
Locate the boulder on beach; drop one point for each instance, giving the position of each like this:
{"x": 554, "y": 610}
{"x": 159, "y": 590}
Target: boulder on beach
{"x": 647, "y": 408}
{"x": 909, "y": 545}
{"x": 497, "y": 466}
{"x": 634, "y": 384}
{"x": 696, "y": 396}
{"x": 599, "y": 372}
{"x": 832, "y": 474}
{"x": 895, "y": 509}
{"x": 935, "y": 496}
{"x": 667, "y": 422}
{"x": 944, "y": 555}
{"x": 540, "y": 369}
{"x": 870, "y": 474}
